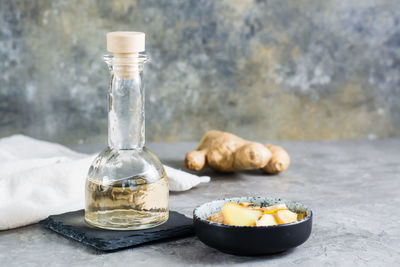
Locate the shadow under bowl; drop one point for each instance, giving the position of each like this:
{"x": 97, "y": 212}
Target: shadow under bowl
{"x": 251, "y": 240}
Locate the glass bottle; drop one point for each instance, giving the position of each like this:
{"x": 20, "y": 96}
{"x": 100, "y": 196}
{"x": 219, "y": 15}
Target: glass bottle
{"x": 126, "y": 186}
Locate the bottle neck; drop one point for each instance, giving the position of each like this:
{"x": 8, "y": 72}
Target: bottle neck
{"x": 126, "y": 120}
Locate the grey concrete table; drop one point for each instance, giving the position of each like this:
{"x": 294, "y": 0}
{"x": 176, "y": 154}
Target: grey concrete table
{"x": 353, "y": 188}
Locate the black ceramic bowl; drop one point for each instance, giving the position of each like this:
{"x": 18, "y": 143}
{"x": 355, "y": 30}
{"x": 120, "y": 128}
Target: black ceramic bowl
{"x": 251, "y": 240}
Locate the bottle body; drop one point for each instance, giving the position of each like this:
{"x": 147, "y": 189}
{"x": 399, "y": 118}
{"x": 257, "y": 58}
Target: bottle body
{"x": 126, "y": 190}
{"x": 126, "y": 186}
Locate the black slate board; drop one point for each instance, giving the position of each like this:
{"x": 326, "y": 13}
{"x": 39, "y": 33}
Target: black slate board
{"x": 73, "y": 225}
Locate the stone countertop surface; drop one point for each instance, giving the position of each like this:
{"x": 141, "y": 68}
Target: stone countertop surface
{"x": 352, "y": 186}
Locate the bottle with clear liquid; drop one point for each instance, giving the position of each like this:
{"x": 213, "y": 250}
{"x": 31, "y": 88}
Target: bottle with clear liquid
{"x": 126, "y": 186}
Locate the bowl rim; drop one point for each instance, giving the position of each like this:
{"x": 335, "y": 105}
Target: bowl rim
{"x": 307, "y": 218}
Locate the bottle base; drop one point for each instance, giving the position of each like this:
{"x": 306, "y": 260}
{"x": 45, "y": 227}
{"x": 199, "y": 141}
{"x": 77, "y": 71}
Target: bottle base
{"x": 125, "y": 219}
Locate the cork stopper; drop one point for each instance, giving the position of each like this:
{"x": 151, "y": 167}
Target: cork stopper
{"x": 126, "y": 47}
{"x": 125, "y": 42}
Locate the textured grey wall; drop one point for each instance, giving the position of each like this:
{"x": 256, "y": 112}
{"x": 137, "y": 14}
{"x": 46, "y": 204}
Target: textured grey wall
{"x": 262, "y": 69}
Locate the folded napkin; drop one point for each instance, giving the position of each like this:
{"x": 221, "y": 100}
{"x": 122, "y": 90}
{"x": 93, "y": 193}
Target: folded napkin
{"x": 38, "y": 179}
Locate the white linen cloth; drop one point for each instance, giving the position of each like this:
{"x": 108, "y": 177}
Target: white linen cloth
{"x": 38, "y": 179}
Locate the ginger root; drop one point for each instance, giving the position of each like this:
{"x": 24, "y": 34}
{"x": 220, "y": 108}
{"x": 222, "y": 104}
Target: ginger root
{"x": 226, "y": 152}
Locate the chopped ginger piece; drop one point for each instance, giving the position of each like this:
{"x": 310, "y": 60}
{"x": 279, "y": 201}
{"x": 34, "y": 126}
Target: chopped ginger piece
{"x": 266, "y": 220}
{"x": 235, "y": 214}
{"x": 285, "y": 216}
